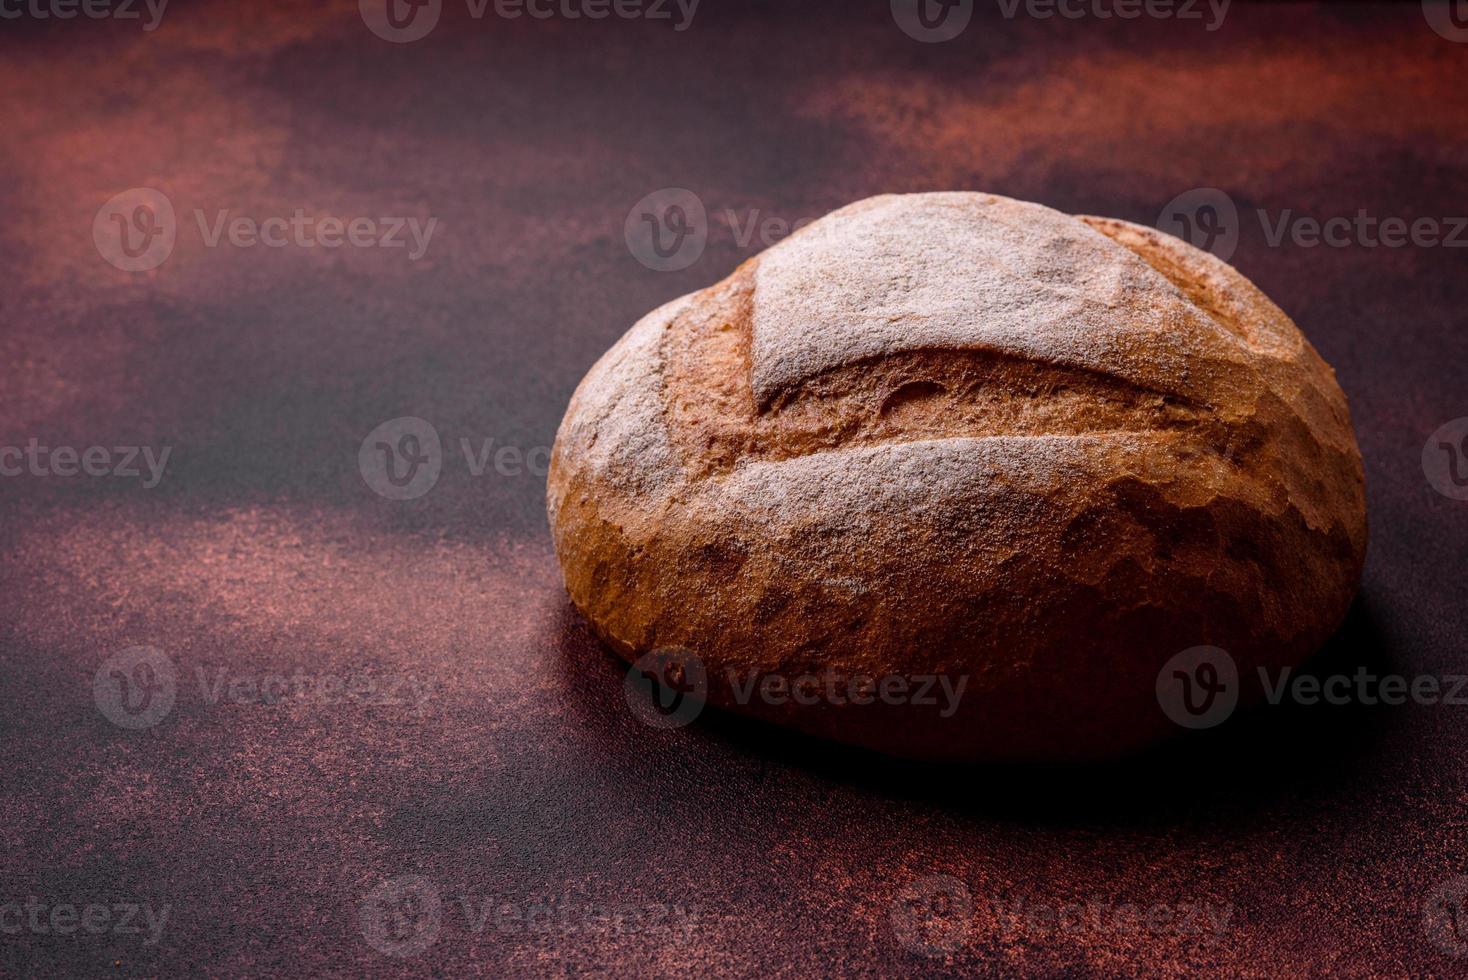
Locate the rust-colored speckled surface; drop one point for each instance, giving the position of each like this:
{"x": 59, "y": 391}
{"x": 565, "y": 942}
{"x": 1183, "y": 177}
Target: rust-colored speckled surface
{"x": 491, "y": 805}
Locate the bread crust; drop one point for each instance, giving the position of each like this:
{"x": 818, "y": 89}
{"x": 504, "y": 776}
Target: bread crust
{"x": 958, "y": 434}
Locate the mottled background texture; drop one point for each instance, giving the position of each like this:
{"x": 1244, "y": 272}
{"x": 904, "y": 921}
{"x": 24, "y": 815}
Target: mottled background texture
{"x": 523, "y": 778}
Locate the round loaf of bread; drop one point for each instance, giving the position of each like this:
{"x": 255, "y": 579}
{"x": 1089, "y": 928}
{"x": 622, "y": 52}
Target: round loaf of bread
{"x": 962, "y": 437}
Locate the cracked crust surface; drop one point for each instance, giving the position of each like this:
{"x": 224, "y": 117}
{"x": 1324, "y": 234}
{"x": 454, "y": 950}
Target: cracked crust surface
{"x": 955, "y": 433}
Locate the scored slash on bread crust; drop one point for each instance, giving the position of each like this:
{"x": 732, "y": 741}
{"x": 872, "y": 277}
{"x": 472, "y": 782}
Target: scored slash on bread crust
{"x": 958, "y": 433}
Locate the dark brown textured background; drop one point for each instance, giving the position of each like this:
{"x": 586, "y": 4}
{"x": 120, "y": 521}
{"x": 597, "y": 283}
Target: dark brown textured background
{"x": 264, "y": 827}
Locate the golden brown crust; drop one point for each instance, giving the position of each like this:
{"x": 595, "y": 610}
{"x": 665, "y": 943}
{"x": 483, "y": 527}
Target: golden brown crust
{"x": 1051, "y": 513}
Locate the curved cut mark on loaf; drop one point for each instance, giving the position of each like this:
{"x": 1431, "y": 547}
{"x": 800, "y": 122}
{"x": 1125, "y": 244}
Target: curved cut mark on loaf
{"x": 965, "y": 272}
{"x": 904, "y": 397}
{"x": 1216, "y": 289}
